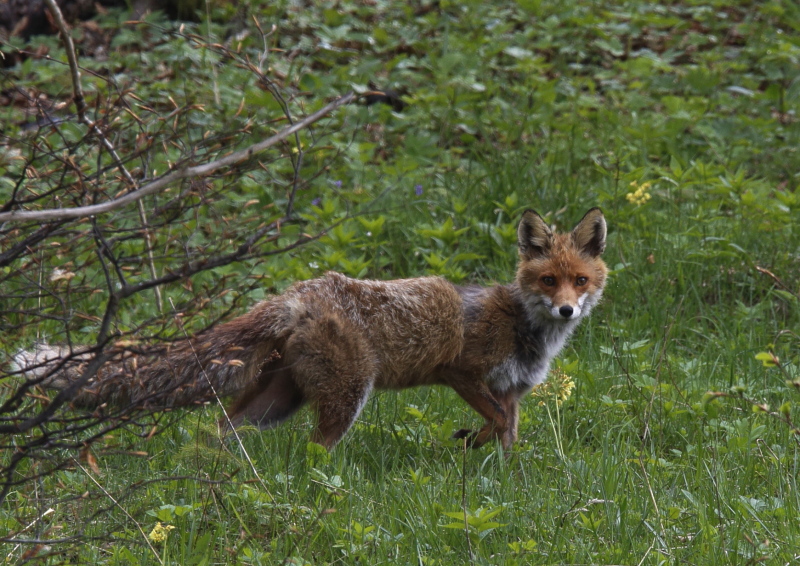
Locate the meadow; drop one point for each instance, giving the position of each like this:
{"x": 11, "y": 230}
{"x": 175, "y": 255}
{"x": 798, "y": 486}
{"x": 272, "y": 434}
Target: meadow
{"x": 669, "y": 433}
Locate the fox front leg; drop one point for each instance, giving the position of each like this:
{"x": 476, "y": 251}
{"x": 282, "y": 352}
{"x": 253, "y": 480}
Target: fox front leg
{"x": 477, "y": 394}
{"x": 510, "y": 403}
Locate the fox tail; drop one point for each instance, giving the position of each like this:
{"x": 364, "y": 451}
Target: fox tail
{"x": 222, "y": 361}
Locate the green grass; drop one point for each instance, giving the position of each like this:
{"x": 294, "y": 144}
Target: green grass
{"x": 555, "y": 106}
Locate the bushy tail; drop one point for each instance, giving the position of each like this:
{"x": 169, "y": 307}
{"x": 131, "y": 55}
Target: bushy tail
{"x": 222, "y": 361}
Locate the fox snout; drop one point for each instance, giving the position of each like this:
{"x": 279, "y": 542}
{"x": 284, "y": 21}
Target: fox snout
{"x": 565, "y": 311}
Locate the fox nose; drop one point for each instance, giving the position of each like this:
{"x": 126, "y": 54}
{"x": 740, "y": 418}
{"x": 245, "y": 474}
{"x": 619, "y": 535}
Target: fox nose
{"x": 565, "y": 311}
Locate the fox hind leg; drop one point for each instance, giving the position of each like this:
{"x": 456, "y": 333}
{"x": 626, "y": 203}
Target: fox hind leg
{"x": 269, "y": 403}
{"x": 335, "y": 367}
{"x": 336, "y": 416}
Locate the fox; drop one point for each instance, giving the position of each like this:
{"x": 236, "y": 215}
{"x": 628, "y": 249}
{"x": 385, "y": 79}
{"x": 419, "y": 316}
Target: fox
{"x": 329, "y": 342}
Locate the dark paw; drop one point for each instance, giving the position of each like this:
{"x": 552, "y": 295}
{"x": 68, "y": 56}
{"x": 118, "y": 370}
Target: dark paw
{"x": 470, "y": 436}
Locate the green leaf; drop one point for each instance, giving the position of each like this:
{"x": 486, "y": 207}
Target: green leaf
{"x": 767, "y": 359}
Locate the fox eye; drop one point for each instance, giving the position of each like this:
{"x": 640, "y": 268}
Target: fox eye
{"x": 549, "y": 280}
{"x": 581, "y": 281}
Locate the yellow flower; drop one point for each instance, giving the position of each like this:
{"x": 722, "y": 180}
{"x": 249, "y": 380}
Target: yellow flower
{"x": 558, "y": 387}
{"x": 639, "y": 195}
{"x": 160, "y": 533}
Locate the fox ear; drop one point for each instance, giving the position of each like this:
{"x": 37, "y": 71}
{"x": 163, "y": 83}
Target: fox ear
{"x": 589, "y": 235}
{"x": 533, "y": 236}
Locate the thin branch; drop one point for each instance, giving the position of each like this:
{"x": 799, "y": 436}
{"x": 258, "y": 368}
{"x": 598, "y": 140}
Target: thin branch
{"x": 30, "y": 242}
{"x": 135, "y": 522}
{"x": 151, "y": 262}
{"x": 177, "y": 174}
{"x": 32, "y": 523}
{"x": 80, "y": 104}
{"x": 777, "y": 281}
{"x": 64, "y": 396}
{"x": 77, "y": 91}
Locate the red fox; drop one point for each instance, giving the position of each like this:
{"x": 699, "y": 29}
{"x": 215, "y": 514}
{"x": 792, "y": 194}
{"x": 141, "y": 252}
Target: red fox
{"x": 330, "y": 341}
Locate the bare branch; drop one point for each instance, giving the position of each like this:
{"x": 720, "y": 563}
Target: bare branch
{"x": 77, "y": 89}
{"x": 63, "y": 29}
{"x": 64, "y": 396}
{"x": 175, "y": 175}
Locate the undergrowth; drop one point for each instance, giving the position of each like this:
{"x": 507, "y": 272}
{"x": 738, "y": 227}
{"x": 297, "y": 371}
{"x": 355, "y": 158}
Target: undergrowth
{"x": 678, "y": 443}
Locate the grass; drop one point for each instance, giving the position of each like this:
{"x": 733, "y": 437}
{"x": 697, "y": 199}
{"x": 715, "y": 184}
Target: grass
{"x": 677, "y": 444}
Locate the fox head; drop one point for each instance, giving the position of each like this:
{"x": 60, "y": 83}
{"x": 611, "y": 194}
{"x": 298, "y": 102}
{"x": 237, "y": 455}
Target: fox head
{"x": 561, "y": 276}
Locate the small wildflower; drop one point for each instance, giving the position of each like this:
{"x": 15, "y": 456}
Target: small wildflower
{"x": 317, "y": 201}
{"x": 160, "y": 533}
{"x": 639, "y": 195}
{"x": 337, "y": 184}
{"x": 558, "y": 387}
{"x": 418, "y": 190}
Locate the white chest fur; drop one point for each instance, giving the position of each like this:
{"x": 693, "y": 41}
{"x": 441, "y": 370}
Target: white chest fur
{"x": 526, "y": 368}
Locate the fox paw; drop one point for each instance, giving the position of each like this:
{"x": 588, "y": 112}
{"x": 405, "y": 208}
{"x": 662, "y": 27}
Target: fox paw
{"x": 470, "y": 435}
